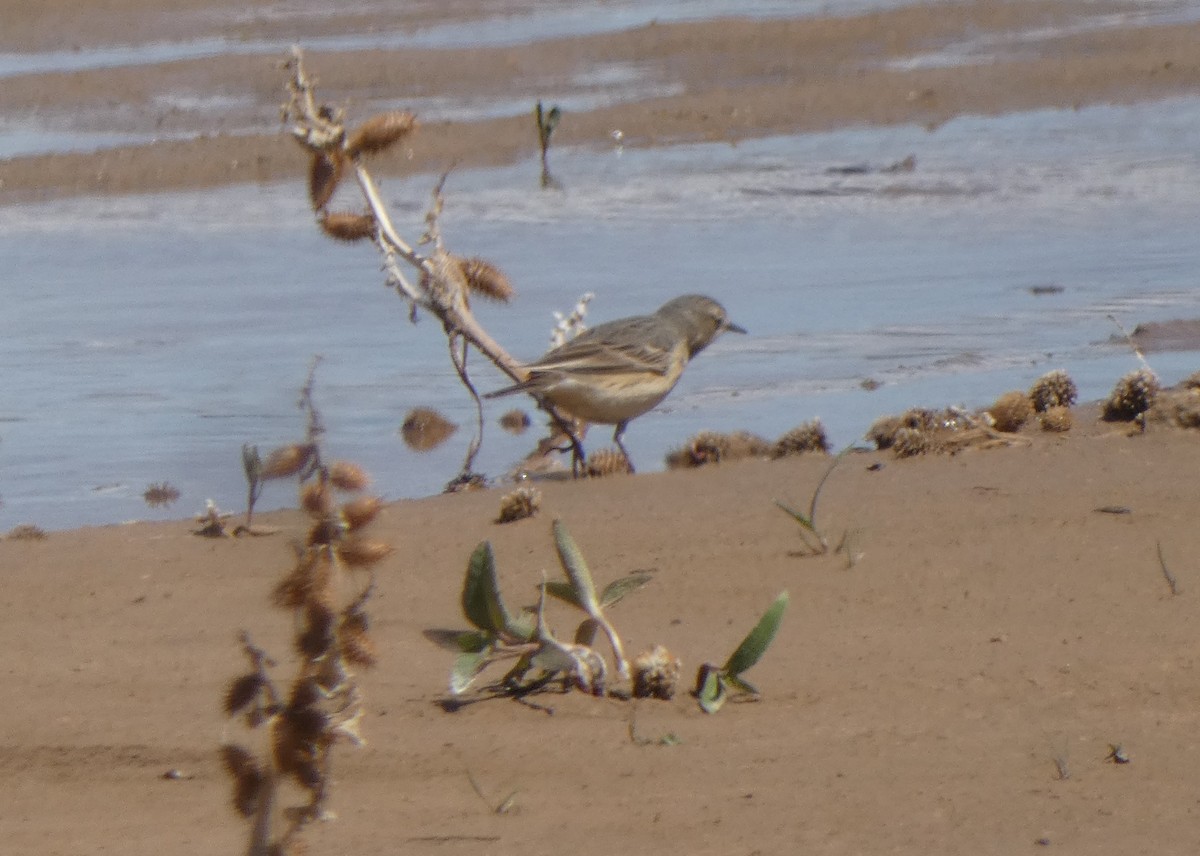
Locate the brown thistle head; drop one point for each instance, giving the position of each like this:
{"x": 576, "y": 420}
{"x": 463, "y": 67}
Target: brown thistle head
{"x": 324, "y": 176}
{"x": 347, "y": 226}
{"x": 380, "y": 133}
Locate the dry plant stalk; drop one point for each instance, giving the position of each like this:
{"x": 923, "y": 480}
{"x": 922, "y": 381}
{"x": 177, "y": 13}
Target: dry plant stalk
{"x": 327, "y": 590}
{"x": 443, "y": 281}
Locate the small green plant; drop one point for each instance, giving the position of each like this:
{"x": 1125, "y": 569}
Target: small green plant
{"x": 713, "y": 683}
{"x": 814, "y": 540}
{"x": 547, "y": 121}
{"x": 499, "y": 634}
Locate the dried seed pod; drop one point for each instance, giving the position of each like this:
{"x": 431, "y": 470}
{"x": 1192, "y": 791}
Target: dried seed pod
{"x": 1133, "y": 395}
{"x": 326, "y": 531}
{"x": 347, "y": 476}
{"x": 318, "y": 635}
{"x": 347, "y": 226}
{"x": 656, "y": 673}
{"x": 485, "y": 279}
{"x": 425, "y": 429}
{"x": 806, "y": 437}
{"x": 1056, "y": 418}
{"x": 521, "y": 503}
{"x": 311, "y": 581}
{"x": 286, "y": 461}
{"x": 359, "y": 552}
{"x": 247, "y": 777}
{"x": 360, "y": 511}
{"x": 1011, "y": 411}
{"x": 324, "y": 175}
{"x": 356, "y": 645}
{"x": 242, "y": 692}
{"x": 607, "y": 462}
{"x": 1053, "y": 389}
{"x": 380, "y": 132}
{"x": 316, "y": 499}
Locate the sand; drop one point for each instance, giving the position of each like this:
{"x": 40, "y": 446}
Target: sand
{"x": 957, "y": 688}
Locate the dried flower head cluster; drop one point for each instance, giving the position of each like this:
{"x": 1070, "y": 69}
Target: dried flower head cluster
{"x": 607, "y": 462}
{"x": 328, "y": 162}
{"x": 521, "y": 503}
{"x": 160, "y": 494}
{"x": 921, "y": 431}
{"x": 26, "y": 532}
{"x": 327, "y": 591}
{"x": 1056, "y": 419}
{"x": 1011, "y": 411}
{"x": 656, "y": 674}
{"x": 805, "y": 437}
{"x": 711, "y": 447}
{"x": 1053, "y": 389}
{"x": 1133, "y": 395}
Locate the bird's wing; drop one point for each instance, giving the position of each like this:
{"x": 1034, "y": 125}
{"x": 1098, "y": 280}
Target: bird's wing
{"x": 632, "y": 344}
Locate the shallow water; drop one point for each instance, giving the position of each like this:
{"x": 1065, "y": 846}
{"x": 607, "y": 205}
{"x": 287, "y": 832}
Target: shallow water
{"x": 147, "y": 338}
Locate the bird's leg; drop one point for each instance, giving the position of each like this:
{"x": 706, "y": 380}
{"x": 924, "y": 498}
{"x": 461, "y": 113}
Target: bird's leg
{"x": 617, "y": 439}
{"x": 569, "y": 427}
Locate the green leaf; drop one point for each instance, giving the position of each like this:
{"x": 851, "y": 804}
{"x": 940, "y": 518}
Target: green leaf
{"x": 576, "y": 567}
{"x": 459, "y": 641}
{"x": 613, "y": 592}
{"x": 585, "y": 634}
{"x": 467, "y": 667}
{"x": 619, "y": 588}
{"x": 481, "y": 600}
{"x": 480, "y": 568}
{"x": 759, "y": 639}
{"x": 741, "y": 685}
{"x": 710, "y": 689}
{"x": 798, "y": 517}
{"x": 564, "y": 591}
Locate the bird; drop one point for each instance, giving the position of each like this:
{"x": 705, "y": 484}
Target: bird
{"x": 616, "y": 371}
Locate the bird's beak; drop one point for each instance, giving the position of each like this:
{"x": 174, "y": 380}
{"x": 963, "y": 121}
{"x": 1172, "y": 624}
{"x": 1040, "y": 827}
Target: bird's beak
{"x": 734, "y": 328}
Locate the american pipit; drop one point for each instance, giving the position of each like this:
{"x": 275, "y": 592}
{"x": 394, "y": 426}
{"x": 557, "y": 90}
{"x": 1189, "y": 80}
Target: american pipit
{"x": 617, "y": 371}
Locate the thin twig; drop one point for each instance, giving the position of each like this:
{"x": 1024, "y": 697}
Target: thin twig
{"x": 1166, "y": 572}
